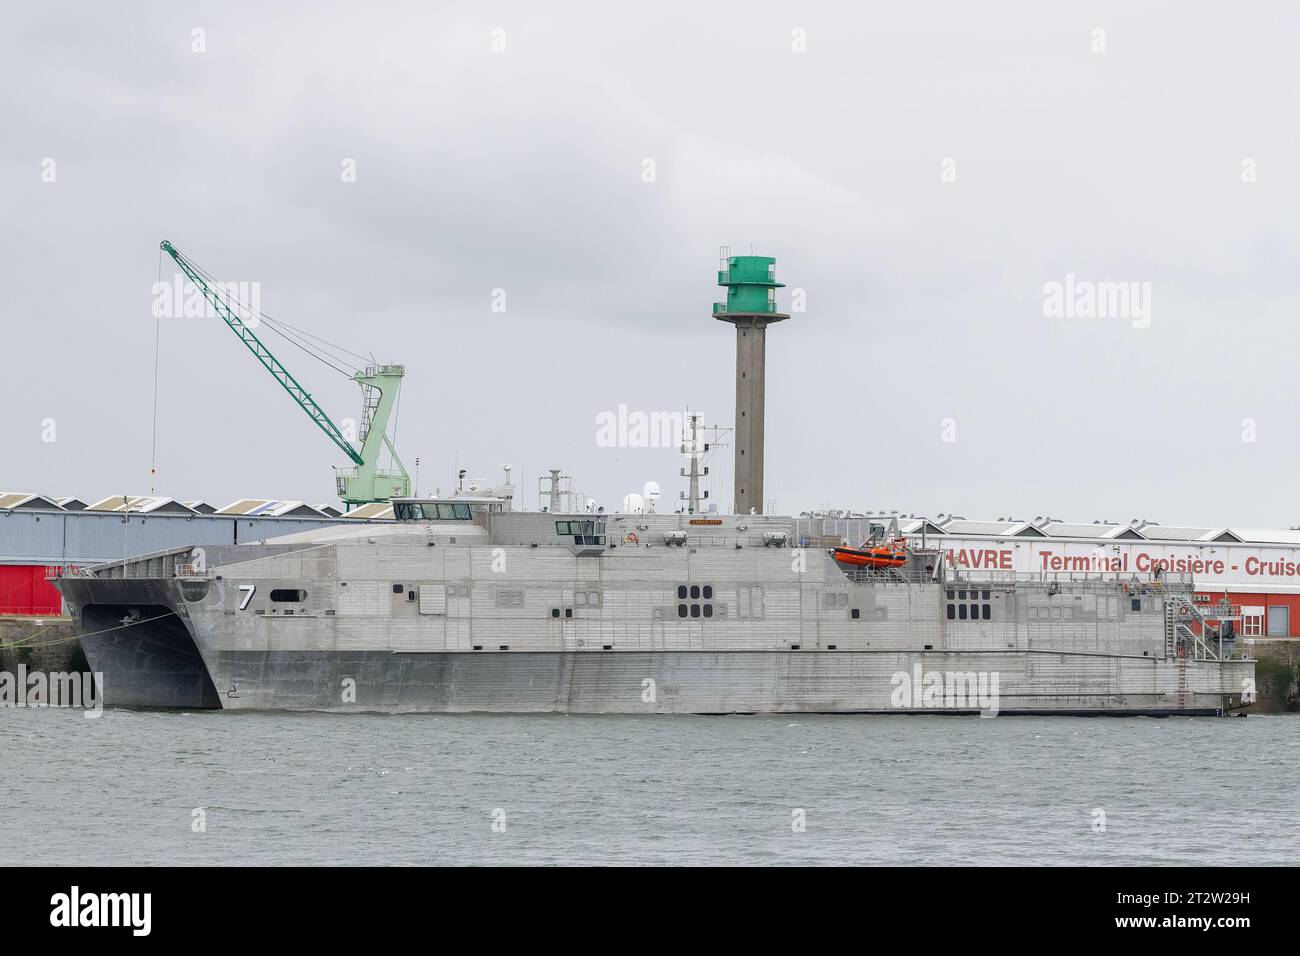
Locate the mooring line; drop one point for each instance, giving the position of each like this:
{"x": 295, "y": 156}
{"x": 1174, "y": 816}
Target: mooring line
{"x": 21, "y": 642}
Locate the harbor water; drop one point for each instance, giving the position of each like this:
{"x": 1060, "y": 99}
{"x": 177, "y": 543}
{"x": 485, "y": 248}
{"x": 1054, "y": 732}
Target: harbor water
{"x": 134, "y": 787}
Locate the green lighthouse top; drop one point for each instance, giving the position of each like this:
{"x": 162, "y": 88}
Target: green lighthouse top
{"x": 751, "y": 287}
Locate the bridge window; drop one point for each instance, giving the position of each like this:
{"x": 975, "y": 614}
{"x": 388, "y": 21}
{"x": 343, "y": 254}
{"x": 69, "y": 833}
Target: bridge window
{"x": 584, "y": 532}
{"x": 432, "y": 511}
{"x": 288, "y": 596}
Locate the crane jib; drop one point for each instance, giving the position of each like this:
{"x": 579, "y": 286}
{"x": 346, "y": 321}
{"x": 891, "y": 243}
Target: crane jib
{"x": 265, "y": 356}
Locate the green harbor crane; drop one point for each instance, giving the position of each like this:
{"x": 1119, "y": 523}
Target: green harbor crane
{"x": 366, "y": 482}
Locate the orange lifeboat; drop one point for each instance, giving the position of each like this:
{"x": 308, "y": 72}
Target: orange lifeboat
{"x": 879, "y": 557}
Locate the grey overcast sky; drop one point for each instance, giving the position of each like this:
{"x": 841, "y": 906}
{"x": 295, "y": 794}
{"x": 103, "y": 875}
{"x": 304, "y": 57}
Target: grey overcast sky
{"x": 921, "y": 170}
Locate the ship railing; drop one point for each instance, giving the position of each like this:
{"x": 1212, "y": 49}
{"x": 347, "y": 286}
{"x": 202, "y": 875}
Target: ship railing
{"x": 1200, "y": 631}
{"x": 837, "y": 532}
{"x": 193, "y": 569}
{"x": 1219, "y": 612}
{"x": 1150, "y": 581}
{"x": 890, "y": 575}
{"x": 54, "y": 572}
{"x": 745, "y": 539}
{"x": 145, "y": 573}
{"x": 172, "y": 562}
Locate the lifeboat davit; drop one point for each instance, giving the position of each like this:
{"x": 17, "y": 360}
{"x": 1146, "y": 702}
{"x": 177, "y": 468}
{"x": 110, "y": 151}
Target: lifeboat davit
{"x": 880, "y": 557}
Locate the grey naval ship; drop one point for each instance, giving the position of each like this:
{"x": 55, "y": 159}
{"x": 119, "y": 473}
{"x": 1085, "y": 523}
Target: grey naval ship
{"x": 464, "y": 603}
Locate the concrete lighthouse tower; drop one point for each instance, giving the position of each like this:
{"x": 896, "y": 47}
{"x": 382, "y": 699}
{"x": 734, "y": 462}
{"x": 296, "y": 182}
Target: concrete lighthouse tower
{"x": 751, "y": 287}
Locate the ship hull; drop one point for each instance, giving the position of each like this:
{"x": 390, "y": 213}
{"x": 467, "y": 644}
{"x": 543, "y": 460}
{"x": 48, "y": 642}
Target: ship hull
{"x": 701, "y": 682}
{"x": 136, "y": 638}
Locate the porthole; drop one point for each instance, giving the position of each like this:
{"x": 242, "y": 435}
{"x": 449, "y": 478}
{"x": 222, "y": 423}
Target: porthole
{"x": 708, "y": 610}
{"x": 681, "y": 592}
{"x": 961, "y": 611}
{"x": 708, "y": 592}
{"x": 695, "y": 591}
{"x": 555, "y": 612}
{"x": 681, "y": 610}
{"x": 695, "y": 610}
